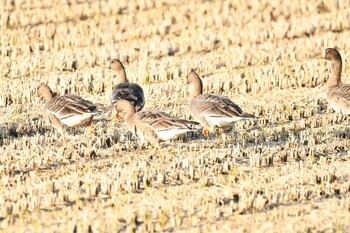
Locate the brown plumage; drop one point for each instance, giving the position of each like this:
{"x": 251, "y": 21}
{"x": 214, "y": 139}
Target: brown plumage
{"x": 66, "y": 111}
{"x": 131, "y": 92}
{"x": 338, "y": 93}
{"x": 154, "y": 125}
{"x": 213, "y": 111}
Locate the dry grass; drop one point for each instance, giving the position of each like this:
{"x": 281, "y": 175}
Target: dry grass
{"x": 287, "y": 171}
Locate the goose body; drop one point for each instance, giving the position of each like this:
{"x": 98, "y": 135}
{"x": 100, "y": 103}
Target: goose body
{"x": 213, "y": 111}
{"x": 339, "y": 98}
{"x": 68, "y": 110}
{"x": 131, "y": 92}
{"x": 152, "y": 125}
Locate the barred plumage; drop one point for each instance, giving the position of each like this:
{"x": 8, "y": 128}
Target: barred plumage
{"x": 68, "y": 110}
{"x": 211, "y": 110}
{"x": 154, "y": 125}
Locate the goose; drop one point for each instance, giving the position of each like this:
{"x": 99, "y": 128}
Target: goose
{"x": 213, "y": 111}
{"x": 153, "y": 125}
{"x": 67, "y": 111}
{"x": 338, "y": 93}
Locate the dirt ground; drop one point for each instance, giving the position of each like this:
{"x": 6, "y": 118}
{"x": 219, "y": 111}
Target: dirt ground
{"x": 285, "y": 171}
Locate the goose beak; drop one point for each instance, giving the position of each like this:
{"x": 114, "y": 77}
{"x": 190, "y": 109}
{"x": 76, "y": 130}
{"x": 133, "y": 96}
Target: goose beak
{"x": 35, "y": 94}
{"x": 119, "y": 117}
{"x": 321, "y": 56}
{"x": 109, "y": 64}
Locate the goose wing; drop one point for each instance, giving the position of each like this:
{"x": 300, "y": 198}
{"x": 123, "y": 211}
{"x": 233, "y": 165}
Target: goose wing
{"x": 340, "y": 98}
{"x": 70, "y": 105}
{"x": 160, "y": 120}
{"x": 160, "y": 125}
{"x": 209, "y": 105}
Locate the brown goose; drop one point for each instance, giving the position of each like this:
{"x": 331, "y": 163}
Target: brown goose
{"x": 131, "y": 92}
{"x": 338, "y": 93}
{"x": 67, "y": 111}
{"x": 211, "y": 110}
{"x": 154, "y": 125}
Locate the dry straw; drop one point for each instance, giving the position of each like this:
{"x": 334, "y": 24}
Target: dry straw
{"x": 286, "y": 171}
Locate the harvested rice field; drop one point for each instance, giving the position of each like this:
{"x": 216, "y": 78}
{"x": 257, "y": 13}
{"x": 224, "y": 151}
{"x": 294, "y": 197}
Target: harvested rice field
{"x": 286, "y": 170}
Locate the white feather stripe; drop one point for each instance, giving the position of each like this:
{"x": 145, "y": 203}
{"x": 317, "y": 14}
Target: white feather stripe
{"x": 76, "y": 120}
{"x": 171, "y": 133}
{"x": 335, "y": 106}
{"x": 223, "y": 122}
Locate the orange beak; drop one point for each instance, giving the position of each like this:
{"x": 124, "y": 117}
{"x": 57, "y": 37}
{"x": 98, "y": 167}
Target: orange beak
{"x": 119, "y": 117}
{"x": 321, "y": 56}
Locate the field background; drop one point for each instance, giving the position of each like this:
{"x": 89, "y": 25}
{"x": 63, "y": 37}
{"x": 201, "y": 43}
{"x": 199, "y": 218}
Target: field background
{"x": 286, "y": 171}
